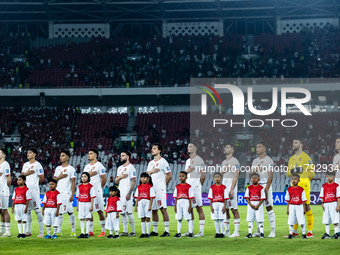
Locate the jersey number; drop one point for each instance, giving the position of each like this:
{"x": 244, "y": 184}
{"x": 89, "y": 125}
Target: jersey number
{"x": 229, "y": 202}
{"x": 124, "y": 207}
{"x": 159, "y": 202}
{"x": 97, "y": 206}
{"x": 194, "y": 200}
{"x": 64, "y": 207}
{"x": 34, "y": 204}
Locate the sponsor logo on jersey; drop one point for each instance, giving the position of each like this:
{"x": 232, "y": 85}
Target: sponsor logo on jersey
{"x": 83, "y": 196}
{"x": 157, "y": 164}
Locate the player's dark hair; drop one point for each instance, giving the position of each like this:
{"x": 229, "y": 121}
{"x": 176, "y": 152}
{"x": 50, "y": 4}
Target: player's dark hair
{"x": 330, "y": 173}
{"x": 127, "y": 153}
{"x": 218, "y": 173}
{"x": 115, "y": 188}
{"x": 296, "y": 175}
{"x": 52, "y": 180}
{"x": 183, "y": 172}
{"x": 299, "y": 139}
{"x": 144, "y": 174}
{"x": 95, "y": 151}
{"x": 195, "y": 144}
{"x": 66, "y": 152}
{"x": 34, "y": 150}
{"x": 88, "y": 177}
{"x": 232, "y": 146}
{"x": 263, "y": 144}
{"x": 4, "y": 152}
{"x": 159, "y": 146}
{"x": 252, "y": 174}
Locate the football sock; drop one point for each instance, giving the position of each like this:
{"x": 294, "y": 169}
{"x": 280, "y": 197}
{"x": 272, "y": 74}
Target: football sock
{"x": 29, "y": 221}
{"x": 132, "y": 222}
{"x": 19, "y": 228}
{"x": 24, "y": 228}
{"x": 88, "y": 226}
{"x": 3, "y": 227}
{"x": 143, "y": 227}
{"x": 166, "y": 226}
{"x": 148, "y": 226}
{"x": 303, "y": 226}
{"x": 271, "y": 218}
{"x": 124, "y": 222}
{"x": 291, "y": 229}
{"x": 55, "y": 229}
{"x": 217, "y": 227}
{"x": 60, "y": 222}
{"x": 261, "y": 227}
{"x": 226, "y": 225}
{"x": 155, "y": 226}
{"x": 179, "y": 226}
{"x": 73, "y": 222}
{"x": 236, "y": 225}
{"x": 190, "y": 226}
{"x": 328, "y": 226}
{"x": 202, "y": 222}
{"x": 48, "y": 231}
{"x": 336, "y": 229}
{"x": 82, "y": 226}
{"x": 222, "y": 225}
{"x": 250, "y": 227}
{"x": 111, "y": 232}
{"x": 8, "y": 227}
{"x": 310, "y": 219}
{"x": 102, "y": 224}
{"x": 40, "y": 220}
{"x": 295, "y": 228}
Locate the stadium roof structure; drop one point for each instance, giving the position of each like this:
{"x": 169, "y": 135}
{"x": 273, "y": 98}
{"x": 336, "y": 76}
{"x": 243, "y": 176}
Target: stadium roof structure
{"x": 107, "y": 11}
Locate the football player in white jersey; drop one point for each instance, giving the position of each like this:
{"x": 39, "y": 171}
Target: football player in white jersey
{"x": 231, "y": 170}
{"x": 34, "y": 176}
{"x": 336, "y": 161}
{"x": 98, "y": 180}
{"x": 65, "y": 175}
{"x": 126, "y": 178}
{"x": 264, "y": 165}
{"x": 160, "y": 173}
{"x": 5, "y": 182}
{"x": 194, "y": 166}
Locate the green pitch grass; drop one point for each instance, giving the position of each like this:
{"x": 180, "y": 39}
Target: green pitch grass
{"x": 169, "y": 245}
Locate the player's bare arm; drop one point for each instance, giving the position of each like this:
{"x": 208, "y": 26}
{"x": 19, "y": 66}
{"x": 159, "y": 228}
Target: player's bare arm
{"x": 175, "y": 207}
{"x": 211, "y": 207}
{"x": 73, "y": 189}
{"x": 9, "y": 180}
{"x": 13, "y": 208}
{"x": 132, "y": 187}
{"x": 338, "y": 206}
{"x": 103, "y": 180}
{"x": 150, "y": 204}
{"x": 92, "y": 173}
{"x": 287, "y": 208}
{"x": 136, "y": 204}
{"x": 57, "y": 212}
{"x": 258, "y": 205}
{"x": 168, "y": 178}
{"x": 231, "y": 193}
{"x": 91, "y": 207}
{"x": 77, "y": 205}
{"x": 250, "y": 204}
{"x": 120, "y": 177}
{"x": 224, "y": 209}
{"x": 43, "y": 210}
{"x": 117, "y": 215}
{"x": 304, "y": 208}
{"x": 202, "y": 180}
{"x": 269, "y": 182}
{"x": 41, "y": 179}
{"x": 60, "y": 176}
{"x": 154, "y": 170}
{"x": 323, "y": 207}
{"x": 29, "y": 172}
{"x": 26, "y": 208}
{"x": 189, "y": 209}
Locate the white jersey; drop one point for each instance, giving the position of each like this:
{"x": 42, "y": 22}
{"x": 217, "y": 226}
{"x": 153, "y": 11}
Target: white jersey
{"x": 159, "y": 179}
{"x": 125, "y": 184}
{"x": 6, "y": 171}
{"x": 194, "y": 178}
{"x": 32, "y": 181}
{"x": 96, "y": 179}
{"x": 265, "y": 165}
{"x": 336, "y": 167}
{"x": 65, "y": 184}
{"x": 231, "y": 165}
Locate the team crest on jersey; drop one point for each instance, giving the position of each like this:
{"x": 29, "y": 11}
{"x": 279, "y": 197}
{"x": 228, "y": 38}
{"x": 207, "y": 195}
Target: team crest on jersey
{"x": 65, "y": 170}
{"x": 7, "y": 171}
{"x": 300, "y": 159}
{"x": 261, "y": 162}
{"x": 125, "y": 169}
{"x": 157, "y": 164}
{"x": 31, "y": 167}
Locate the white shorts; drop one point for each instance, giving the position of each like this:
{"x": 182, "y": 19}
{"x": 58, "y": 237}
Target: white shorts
{"x": 232, "y": 203}
{"x": 182, "y": 210}
{"x": 4, "y": 202}
{"x": 66, "y": 206}
{"x": 112, "y": 222}
{"x": 269, "y": 200}
{"x": 296, "y": 214}
{"x": 19, "y": 212}
{"x": 330, "y": 215}
{"x": 35, "y": 201}
{"x": 98, "y": 202}
{"x": 218, "y": 214}
{"x": 49, "y": 217}
{"x": 126, "y": 205}
{"x": 84, "y": 210}
{"x": 197, "y": 200}
{"x": 252, "y": 214}
{"x": 143, "y": 209}
{"x": 160, "y": 200}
